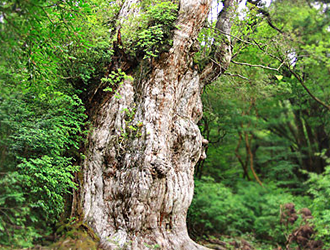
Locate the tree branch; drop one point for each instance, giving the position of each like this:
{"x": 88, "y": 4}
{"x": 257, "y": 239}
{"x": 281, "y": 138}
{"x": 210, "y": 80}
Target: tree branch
{"x": 236, "y": 37}
{"x": 237, "y": 75}
{"x": 258, "y": 66}
{"x": 307, "y": 90}
{"x": 266, "y": 14}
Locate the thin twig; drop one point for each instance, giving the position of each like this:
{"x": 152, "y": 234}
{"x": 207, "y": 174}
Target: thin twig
{"x": 262, "y": 49}
{"x": 227, "y": 34}
{"x": 50, "y": 20}
{"x": 237, "y": 75}
{"x": 69, "y": 77}
{"x": 259, "y": 66}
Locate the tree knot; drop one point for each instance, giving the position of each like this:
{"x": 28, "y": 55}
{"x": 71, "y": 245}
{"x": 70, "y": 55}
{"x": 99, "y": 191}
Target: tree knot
{"x": 160, "y": 166}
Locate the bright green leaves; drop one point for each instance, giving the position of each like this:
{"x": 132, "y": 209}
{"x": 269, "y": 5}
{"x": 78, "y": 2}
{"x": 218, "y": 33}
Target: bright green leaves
{"x": 46, "y": 40}
{"x": 149, "y": 39}
{"x": 241, "y": 210}
{"x": 39, "y": 137}
{"x": 319, "y": 188}
{"x": 160, "y": 18}
{"x": 132, "y": 129}
{"x": 48, "y": 179}
{"x": 114, "y": 81}
{"x": 279, "y": 77}
{"x": 156, "y": 23}
{"x": 49, "y": 51}
{"x": 163, "y": 13}
{"x": 40, "y": 27}
{"x": 88, "y": 52}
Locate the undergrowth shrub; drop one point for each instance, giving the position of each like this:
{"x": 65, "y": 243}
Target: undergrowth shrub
{"x": 216, "y": 209}
{"x": 246, "y": 208}
{"x": 37, "y": 139}
{"x": 59, "y": 51}
{"x": 319, "y": 188}
{"x": 266, "y": 204}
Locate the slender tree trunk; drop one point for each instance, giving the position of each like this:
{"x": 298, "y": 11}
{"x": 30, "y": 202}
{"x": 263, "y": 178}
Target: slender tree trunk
{"x": 140, "y": 156}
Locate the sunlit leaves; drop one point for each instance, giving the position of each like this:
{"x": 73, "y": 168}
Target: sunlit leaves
{"x": 153, "y": 24}
{"x": 40, "y": 115}
{"x": 37, "y": 139}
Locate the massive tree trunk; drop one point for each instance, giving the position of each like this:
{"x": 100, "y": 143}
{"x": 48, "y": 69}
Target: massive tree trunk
{"x": 140, "y": 156}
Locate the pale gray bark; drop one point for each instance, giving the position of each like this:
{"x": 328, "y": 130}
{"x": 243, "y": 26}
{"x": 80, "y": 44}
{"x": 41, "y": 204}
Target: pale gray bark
{"x": 223, "y": 53}
{"x": 136, "y": 189}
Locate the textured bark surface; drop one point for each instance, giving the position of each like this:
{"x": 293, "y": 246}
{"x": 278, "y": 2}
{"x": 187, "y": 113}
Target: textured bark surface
{"x": 136, "y": 189}
{"x": 223, "y": 53}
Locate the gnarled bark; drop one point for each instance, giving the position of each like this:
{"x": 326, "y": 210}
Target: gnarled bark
{"x": 138, "y": 180}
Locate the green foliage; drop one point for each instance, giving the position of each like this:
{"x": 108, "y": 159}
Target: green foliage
{"x": 46, "y": 40}
{"x": 39, "y": 135}
{"x": 115, "y": 79}
{"x": 245, "y": 209}
{"x": 53, "y": 50}
{"x": 149, "y": 39}
{"x": 132, "y": 129}
{"x": 87, "y": 51}
{"x": 216, "y": 209}
{"x": 41, "y": 116}
{"x": 47, "y": 179}
{"x": 156, "y": 22}
{"x": 319, "y": 188}
{"x": 156, "y": 246}
{"x": 284, "y": 126}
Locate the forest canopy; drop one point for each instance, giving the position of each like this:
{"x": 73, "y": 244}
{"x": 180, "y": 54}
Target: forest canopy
{"x": 266, "y": 177}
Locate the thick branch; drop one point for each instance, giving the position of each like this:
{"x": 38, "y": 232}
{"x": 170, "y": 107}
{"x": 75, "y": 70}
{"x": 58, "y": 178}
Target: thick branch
{"x": 222, "y": 53}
